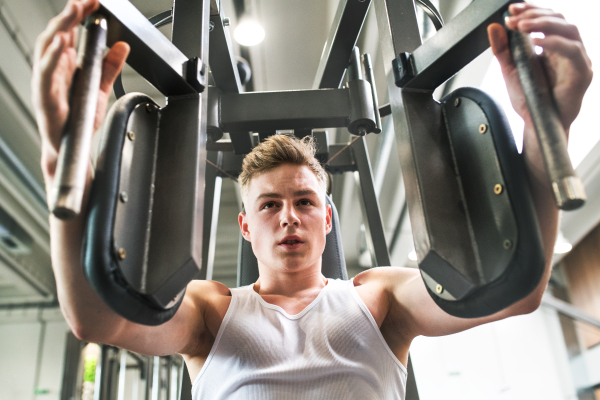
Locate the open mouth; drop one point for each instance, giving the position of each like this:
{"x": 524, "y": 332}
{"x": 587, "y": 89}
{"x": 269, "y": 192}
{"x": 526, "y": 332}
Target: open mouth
{"x": 291, "y": 241}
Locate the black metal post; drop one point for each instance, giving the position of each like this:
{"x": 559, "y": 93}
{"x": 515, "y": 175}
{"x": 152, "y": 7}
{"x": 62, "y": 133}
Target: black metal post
{"x": 212, "y": 201}
{"x": 375, "y": 232}
{"x": 346, "y": 27}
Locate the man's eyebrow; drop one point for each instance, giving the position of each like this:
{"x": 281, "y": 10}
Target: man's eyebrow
{"x": 304, "y": 192}
{"x": 269, "y": 195}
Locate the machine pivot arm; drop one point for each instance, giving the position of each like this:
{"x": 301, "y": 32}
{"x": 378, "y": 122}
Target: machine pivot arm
{"x": 152, "y": 55}
{"x": 454, "y": 46}
{"x": 294, "y": 109}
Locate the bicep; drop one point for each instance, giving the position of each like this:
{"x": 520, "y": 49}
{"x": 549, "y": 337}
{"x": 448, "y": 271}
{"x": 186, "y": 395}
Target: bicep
{"x": 420, "y": 315}
{"x": 174, "y": 336}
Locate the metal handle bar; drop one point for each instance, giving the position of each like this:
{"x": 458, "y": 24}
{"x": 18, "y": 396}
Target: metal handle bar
{"x": 73, "y": 157}
{"x": 567, "y": 187}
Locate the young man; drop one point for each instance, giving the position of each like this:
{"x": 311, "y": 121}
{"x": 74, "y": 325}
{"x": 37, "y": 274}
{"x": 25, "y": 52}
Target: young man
{"x": 293, "y": 334}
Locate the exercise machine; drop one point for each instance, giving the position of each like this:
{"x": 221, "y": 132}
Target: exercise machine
{"x": 151, "y": 210}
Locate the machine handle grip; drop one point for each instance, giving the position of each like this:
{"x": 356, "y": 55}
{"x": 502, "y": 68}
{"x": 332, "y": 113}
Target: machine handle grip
{"x": 73, "y": 157}
{"x": 568, "y": 190}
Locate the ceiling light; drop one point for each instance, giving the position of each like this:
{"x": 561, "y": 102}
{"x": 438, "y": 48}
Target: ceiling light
{"x": 248, "y": 32}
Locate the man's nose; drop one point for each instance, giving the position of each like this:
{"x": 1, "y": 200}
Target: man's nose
{"x": 289, "y": 217}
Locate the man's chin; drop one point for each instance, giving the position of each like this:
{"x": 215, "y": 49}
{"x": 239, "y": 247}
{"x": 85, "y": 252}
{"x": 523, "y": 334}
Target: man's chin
{"x": 296, "y": 264}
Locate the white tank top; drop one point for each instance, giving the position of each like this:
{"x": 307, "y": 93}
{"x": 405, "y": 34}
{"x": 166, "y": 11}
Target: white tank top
{"x": 332, "y": 349}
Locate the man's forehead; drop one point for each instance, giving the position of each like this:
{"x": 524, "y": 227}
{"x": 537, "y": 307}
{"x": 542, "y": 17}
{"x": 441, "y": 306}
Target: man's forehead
{"x": 286, "y": 174}
{"x": 297, "y": 180}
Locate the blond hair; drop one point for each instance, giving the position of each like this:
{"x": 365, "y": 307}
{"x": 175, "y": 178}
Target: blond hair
{"x": 277, "y": 150}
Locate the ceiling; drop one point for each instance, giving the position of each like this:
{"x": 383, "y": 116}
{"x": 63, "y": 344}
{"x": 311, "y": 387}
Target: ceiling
{"x": 296, "y": 31}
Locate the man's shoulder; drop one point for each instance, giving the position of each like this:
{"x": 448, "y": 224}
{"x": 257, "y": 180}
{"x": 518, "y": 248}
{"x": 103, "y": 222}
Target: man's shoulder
{"x": 385, "y": 276}
{"x": 207, "y": 291}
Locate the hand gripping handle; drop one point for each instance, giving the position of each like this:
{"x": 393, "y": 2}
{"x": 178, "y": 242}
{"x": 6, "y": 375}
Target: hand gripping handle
{"x": 567, "y": 187}
{"x": 73, "y": 158}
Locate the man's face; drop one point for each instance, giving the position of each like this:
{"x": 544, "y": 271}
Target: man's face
{"x": 286, "y": 218}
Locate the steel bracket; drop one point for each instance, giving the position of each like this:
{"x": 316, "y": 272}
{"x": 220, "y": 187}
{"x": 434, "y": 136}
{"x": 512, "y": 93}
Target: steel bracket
{"x": 195, "y": 73}
{"x": 402, "y": 68}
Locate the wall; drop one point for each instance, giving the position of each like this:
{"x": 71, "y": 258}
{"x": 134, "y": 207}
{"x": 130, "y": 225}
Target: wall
{"x": 520, "y": 358}
{"x": 582, "y": 269}
{"x": 20, "y": 348}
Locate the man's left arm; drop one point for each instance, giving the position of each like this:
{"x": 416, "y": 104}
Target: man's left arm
{"x": 410, "y": 309}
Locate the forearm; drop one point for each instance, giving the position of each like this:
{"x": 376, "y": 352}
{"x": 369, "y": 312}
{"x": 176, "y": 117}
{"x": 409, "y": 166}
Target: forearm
{"x": 545, "y": 206}
{"x": 87, "y": 315}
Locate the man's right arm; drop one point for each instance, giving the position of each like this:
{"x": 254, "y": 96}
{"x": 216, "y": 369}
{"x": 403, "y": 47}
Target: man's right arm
{"x": 87, "y": 315}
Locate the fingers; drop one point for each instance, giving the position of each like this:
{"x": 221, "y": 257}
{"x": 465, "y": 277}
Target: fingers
{"x": 499, "y": 43}
{"x": 67, "y": 21}
{"x": 49, "y": 61}
{"x": 498, "y": 40}
{"x": 548, "y": 25}
{"x": 533, "y": 19}
{"x": 113, "y": 64}
{"x": 111, "y": 67}
{"x": 572, "y": 50}
{"x": 518, "y": 8}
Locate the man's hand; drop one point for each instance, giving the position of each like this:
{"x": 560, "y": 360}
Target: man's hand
{"x": 569, "y": 68}
{"x": 54, "y": 65}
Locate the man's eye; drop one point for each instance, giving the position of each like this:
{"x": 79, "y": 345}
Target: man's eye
{"x": 268, "y": 205}
{"x": 305, "y": 202}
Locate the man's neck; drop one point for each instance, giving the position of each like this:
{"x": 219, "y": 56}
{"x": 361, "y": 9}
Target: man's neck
{"x": 289, "y": 283}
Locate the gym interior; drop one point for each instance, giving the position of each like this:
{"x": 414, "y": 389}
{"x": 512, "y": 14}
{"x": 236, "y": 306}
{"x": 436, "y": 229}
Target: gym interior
{"x": 552, "y": 353}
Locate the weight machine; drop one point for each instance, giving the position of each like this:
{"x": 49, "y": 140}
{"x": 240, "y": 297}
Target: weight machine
{"x": 151, "y": 221}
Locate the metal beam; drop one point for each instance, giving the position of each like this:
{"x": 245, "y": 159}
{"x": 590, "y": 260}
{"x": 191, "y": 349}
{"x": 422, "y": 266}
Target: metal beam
{"x": 223, "y": 64}
{"x": 264, "y": 111}
{"x": 212, "y": 201}
{"x": 370, "y": 206}
{"x": 190, "y": 27}
{"x": 152, "y": 55}
{"x": 455, "y": 45}
{"x": 348, "y": 22}
{"x": 569, "y": 310}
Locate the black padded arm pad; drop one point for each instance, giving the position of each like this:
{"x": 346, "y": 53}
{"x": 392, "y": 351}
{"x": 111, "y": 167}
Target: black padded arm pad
{"x": 98, "y": 260}
{"x": 526, "y": 268}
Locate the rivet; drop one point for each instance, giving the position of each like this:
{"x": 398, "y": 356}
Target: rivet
{"x": 498, "y": 188}
{"x": 439, "y": 289}
{"x": 457, "y": 102}
{"x": 123, "y": 196}
{"x": 122, "y": 253}
{"x": 507, "y": 244}
{"x": 226, "y": 21}
{"x": 211, "y": 26}
{"x": 131, "y": 135}
{"x": 482, "y": 128}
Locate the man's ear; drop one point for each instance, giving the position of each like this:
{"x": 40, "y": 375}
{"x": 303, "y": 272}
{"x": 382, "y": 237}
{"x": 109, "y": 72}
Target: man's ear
{"x": 328, "y": 219}
{"x": 242, "y": 220}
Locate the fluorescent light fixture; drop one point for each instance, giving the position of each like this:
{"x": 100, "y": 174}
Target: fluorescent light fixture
{"x": 248, "y": 32}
